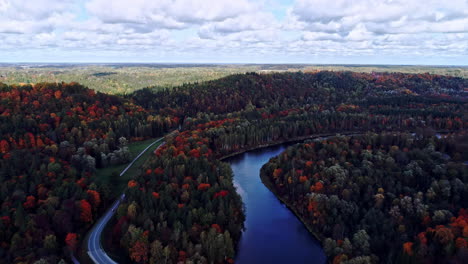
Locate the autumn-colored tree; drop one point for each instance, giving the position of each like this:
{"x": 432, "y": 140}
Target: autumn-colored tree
{"x": 158, "y": 171}
{"x": 139, "y": 252}
{"x": 71, "y": 241}
{"x": 194, "y": 153}
{"x": 85, "y": 211}
{"x": 58, "y": 94}
{"x": 444, "y": 234}
{"x": 30, "y": 202}
{"x": 221, "y": 193}
{"x": 203, "y": 186}
{"x": 318, "y": 186}
{"x": 408, "y": 248}
{"x": 277, "y": 173}
{"x": 132, "y": 184}
{"x": 422, "y": 238}
{"x": 4, "y": 146}
{"x": 217, "y": 227}
{"x": 94, "y": 198}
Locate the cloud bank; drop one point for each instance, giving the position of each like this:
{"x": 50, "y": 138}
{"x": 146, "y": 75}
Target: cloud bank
{"x": 304, "y": 31}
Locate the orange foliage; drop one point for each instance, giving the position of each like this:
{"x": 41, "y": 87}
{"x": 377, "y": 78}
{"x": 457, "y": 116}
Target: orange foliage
{"x": 139, "y": 252}
{"x": 132, "y": 184}
{"x": 318, "y": 186}
{"x": 194, "y": 153}
{"x": 338, "y": 259}
{"x": 203, "y": 186}
{"x": 277, "y": 172}
{"x": 36, "y": 104}
{"x": 95, "y": 198}
{"x": 30, "y": 202}
{"x": 408, "y": 248}
{"x": 39, "y": 142}
{"x": 58, "y": 94}
{"x": 312, "y": 206}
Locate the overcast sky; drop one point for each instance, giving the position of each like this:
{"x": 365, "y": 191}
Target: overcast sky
{"x": 433, "y": 32}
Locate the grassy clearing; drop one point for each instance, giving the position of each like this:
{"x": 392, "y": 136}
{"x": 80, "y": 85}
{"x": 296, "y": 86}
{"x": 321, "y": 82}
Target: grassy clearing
{"x": 110, "y": 175}
{"x": 117, "y": 184}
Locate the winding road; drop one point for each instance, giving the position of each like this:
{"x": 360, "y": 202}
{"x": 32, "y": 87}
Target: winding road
{"x": 95, "y": 250}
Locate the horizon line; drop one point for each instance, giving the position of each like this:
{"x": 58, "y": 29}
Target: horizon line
{"x": 239, "y": 63}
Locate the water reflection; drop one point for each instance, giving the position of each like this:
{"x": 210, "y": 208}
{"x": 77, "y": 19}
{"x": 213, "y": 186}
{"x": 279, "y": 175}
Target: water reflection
{"x": 273, "y": 233}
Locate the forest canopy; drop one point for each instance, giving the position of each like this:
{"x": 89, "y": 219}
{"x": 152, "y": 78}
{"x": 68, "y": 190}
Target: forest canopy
{"x": 183, "y": 206}
{"x": 358, "y": 193}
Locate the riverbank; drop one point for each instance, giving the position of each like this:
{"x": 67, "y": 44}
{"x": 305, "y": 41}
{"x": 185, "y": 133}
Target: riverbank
{"x": 293, "y": 194}
{"x": 269, "y": 186}
{"x": 285, "y": 141}
{"x": 302, "y": 138}
{"x": 273, "y": 233}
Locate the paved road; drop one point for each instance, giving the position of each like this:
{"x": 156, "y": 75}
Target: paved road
{"x": 95, "y": 250}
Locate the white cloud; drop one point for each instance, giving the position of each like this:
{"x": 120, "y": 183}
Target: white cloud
{"x": 381, "y": 16}
{"x": 396, "y": 27}
{"x": 167, "y": 13}
{"x": 259, "y": 21}
{"x": 267, "y": 30}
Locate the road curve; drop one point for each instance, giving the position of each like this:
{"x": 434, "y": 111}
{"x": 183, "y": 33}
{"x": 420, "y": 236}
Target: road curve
{"x": 95, "y": 250}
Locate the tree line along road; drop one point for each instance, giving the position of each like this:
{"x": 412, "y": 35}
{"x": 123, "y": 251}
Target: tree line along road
{"x": 95, "y": 250}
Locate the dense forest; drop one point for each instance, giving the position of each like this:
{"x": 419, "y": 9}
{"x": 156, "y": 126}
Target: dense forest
{"x": 52, "y": 138}
{"x": 241, "y": 112}
{"x": 358, "y": 193}
{"x": 183, "y": 207}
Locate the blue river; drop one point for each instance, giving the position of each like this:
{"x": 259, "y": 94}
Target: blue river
{"x": 273, "y": 233}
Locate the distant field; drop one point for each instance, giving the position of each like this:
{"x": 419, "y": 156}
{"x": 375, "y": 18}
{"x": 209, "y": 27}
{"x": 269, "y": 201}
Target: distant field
{"x": 126, "y": 78}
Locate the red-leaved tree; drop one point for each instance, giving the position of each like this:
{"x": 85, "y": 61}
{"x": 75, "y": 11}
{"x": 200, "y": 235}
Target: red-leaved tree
{"x": 85, "y": 214}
